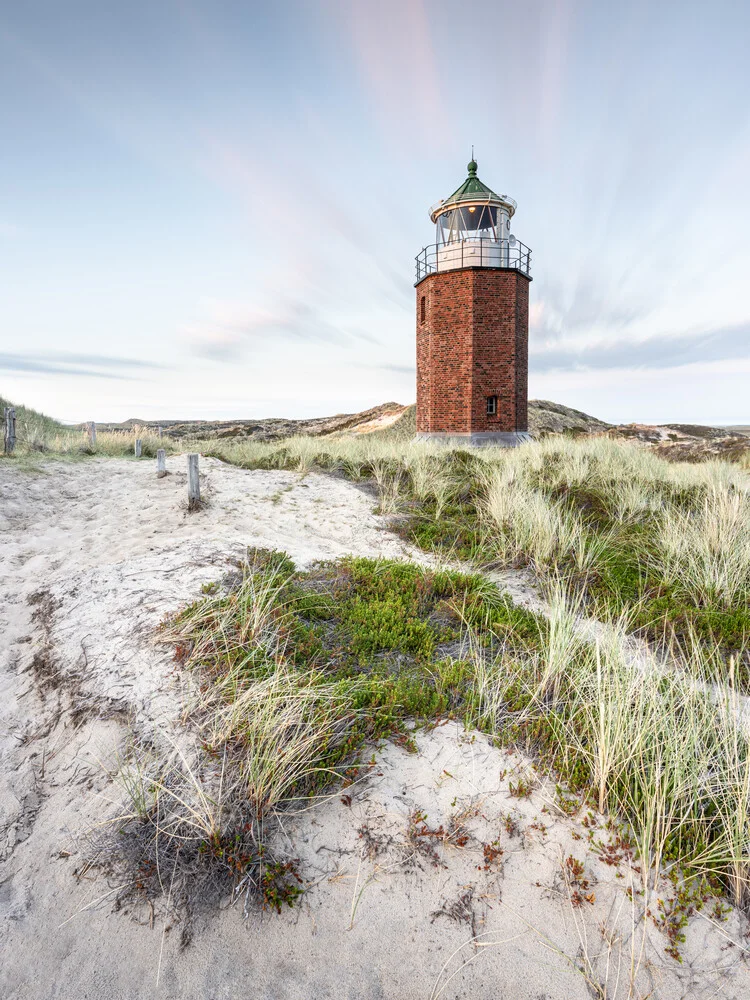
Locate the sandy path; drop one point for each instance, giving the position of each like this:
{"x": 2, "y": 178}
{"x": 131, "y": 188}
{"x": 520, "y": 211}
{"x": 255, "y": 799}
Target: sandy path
{"x": 114, "y": 550}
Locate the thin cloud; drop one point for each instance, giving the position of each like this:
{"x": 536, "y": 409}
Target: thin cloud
{"x": 398, "y": 369}
{"x": 722, "y": 344}
{"x": 246, "y": 174}
{"x": 589, "y": 308}
{"x": 394, "y": 53}
{"x": 232, "y": 329}
{"x": 84, "y": 365}
{"x": 100, "y": 360}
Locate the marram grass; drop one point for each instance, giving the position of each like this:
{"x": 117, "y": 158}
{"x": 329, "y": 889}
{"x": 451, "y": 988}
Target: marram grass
{"x": 296, "y": 672}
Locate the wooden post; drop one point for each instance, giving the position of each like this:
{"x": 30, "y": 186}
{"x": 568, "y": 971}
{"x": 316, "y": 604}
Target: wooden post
{"x": 137, "y": 447}
{"x": 194, "y": 483}
{"x": 159, "y": 430}
{"x": 161, "y": 463}
{"x": 92, "y": 434}
{"x": 9, "y": 435}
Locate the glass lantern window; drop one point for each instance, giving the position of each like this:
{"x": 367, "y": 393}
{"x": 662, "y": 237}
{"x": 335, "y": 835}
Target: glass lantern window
{"x": 467, "y": 222}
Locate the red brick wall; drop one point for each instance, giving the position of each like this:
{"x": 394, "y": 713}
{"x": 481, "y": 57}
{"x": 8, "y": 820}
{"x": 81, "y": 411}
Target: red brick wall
{"x": 472, "y": 344}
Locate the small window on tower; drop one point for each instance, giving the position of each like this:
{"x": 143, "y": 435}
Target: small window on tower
{"x": 492, "y": 406}
{"x": 422, "y": 309}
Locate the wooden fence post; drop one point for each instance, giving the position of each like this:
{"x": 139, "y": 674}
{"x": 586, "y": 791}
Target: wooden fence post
{"x": 194, "y": 483}
{"x": 161, "y": 463}
{"x": 9, "y": 434}
{"x": 158, "y": 429}
{"x": 137, "y": 447}
{"x": 92, "y": 434}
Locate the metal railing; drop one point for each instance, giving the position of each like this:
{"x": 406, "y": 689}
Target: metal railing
{"x": 511, "y": 256}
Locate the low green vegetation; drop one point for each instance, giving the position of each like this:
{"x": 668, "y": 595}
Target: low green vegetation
{"x": 665, "y": 544}
{"x": 297, "y": 673}
{"x": 390, "y": 637}
{"x": 662, "y": 750}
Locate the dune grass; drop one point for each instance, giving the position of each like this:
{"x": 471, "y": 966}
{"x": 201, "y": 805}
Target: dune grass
{"x": 296, "y": 673}
{"x": 33, "y": 429}
{"x": 668, "y": 543}
{"x": 665, "y": 543}
{"x": 38, "y": 435}
{"x": 665, "y": 751}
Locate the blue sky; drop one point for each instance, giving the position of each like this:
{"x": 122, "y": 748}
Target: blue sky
{"x": 211, "y": 209}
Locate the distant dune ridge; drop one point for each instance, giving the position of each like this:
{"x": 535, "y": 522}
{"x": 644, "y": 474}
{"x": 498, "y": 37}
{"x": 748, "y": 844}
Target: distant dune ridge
{"x": 544, "y": 417}
{"x": 273, "y": 428}
{"x": 398, "y": 421}
{"x": 395, "y": 420}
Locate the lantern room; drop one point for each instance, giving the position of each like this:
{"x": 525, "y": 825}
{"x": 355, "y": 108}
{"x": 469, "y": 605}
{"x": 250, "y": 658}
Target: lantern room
{"x": 473, "y": 230}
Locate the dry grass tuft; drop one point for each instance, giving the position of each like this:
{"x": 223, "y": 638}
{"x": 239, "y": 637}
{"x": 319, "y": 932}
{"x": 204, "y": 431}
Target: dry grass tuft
{"x": 258, "y": 734}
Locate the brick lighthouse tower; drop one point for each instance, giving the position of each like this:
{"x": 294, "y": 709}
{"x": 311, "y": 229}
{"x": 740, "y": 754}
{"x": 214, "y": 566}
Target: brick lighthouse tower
{"x": 473, "y": 322}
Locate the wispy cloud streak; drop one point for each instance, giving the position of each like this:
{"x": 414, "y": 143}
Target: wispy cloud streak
{"x": 232, "y": 328}
{"x": 395, "y": 56}
{"x": 83, "y": 365}
{"x": 727, "y": 343}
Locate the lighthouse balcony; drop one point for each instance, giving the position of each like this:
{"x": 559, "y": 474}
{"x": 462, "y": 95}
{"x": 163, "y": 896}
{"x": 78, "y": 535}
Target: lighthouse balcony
{"x": 509, "y": 255}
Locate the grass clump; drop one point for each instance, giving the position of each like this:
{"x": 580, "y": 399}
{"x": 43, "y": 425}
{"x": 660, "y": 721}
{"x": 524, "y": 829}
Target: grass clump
{"x": 662, "y": 750}
{"x": 664, "y": 542}
{"x": 33, "y": 429}
{"x": 666, "y": 545}
{"x": 296, "y": 672}
{"x": 37, "y": 435}
{"x": 264, "y": 732}
{"x": 704, "y": 553}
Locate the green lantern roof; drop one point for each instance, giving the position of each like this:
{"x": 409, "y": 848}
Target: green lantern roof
{"x": 472, "y": 191}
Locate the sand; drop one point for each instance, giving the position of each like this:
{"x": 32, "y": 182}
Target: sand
{"x": 92, "y": 556}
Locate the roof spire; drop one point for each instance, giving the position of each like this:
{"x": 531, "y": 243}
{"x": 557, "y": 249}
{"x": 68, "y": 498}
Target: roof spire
{"x": 472, "y": 163}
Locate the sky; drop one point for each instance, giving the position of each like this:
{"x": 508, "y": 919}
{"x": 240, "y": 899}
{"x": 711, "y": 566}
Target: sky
{"x": 211, "y": 209}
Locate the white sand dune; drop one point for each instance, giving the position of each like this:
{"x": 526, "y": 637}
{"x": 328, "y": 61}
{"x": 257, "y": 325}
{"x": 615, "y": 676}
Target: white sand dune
{"x": 92, "y": 556}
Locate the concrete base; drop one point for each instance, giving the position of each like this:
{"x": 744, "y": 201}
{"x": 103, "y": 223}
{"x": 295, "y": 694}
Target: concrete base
{"x": 479, "y": 439}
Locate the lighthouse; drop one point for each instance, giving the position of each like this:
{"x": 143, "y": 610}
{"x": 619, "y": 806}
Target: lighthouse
{"x": 473, "y": 322}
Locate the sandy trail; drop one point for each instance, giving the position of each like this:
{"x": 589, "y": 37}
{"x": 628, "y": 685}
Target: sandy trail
{"x": 93, "y": 555}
